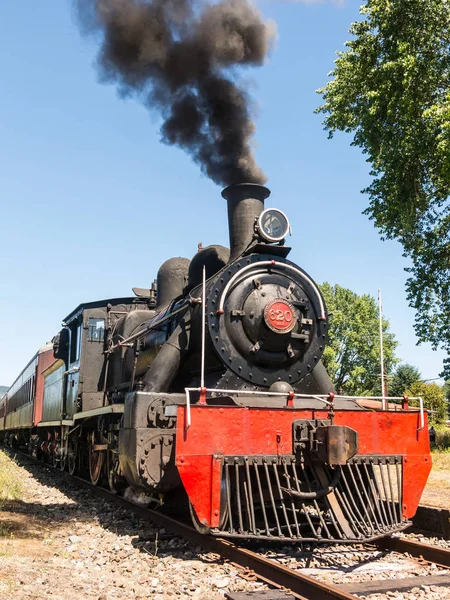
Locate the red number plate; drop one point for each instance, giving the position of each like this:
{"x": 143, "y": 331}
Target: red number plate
{"x": 280, "y": 316}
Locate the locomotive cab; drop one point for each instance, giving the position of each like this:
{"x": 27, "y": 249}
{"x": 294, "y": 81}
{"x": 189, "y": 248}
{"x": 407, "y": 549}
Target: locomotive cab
{"x": 80, "y": 346}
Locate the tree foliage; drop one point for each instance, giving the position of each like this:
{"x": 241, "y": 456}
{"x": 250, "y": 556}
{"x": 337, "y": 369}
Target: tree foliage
{"x": 403, "y": 378}
{"x": 447, "y": 390}
{"x": 391, "y": 89}
{"x": 352, "y": 356}
{"x": 433, "y": 400}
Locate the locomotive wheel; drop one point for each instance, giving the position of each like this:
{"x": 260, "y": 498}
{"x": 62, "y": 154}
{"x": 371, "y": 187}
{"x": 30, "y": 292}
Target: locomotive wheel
{"x": 96, "y": 460}
{"x": 43, "y": 452}
{"x": 63, "y": 457}
{"x": 72, "y": 454}
{"x": 55, "y": 453}
{"x": 117, "y": 483}
{"x": 55, "y": 459}
{"x": 63, "y": 448}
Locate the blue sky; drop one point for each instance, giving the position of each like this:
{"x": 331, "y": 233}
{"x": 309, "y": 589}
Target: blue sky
{"x": 91, "y": 202}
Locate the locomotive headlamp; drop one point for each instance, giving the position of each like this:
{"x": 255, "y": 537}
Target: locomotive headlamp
{"x": 273, "y": 225}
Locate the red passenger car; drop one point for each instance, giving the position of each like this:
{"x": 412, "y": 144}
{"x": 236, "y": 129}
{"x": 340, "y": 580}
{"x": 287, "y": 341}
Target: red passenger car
{"x": 22, "y": 404}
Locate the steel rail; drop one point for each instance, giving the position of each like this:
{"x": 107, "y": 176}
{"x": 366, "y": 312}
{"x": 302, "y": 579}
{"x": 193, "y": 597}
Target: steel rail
{"x": 433, "y": 554}
{"x": 300, "y": 586}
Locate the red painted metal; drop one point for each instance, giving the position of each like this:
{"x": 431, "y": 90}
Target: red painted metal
{"x": 202, "y": 399}
{"x": 290, "y": 399}
{"x": 45, "y": 359}
{"x": 229, "y": 430}
{"x": 280, "y": 315}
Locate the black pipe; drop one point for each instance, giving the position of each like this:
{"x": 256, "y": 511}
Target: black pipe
{"x": 322, "y": 380}
{"x": 245, "y": 204}
{"x": 166, "y": 365}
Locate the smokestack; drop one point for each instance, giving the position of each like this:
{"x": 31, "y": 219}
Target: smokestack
{"x": 245, "y": 204}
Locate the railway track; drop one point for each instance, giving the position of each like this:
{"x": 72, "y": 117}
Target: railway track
{"x": 276, "y": 575}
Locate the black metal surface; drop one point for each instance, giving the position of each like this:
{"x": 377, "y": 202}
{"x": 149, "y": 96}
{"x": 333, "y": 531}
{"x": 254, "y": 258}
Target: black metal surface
{"x": 213, "y": 258}
{"x": 245, "y": 204}
{"x": 171, "y": 280}
{"x": 165, "y": 366}
{"x": 274, "y": 497}
{"x": 244, "y": 342}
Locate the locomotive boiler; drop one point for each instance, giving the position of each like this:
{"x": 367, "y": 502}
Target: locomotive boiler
{"x": 209, "y": 388}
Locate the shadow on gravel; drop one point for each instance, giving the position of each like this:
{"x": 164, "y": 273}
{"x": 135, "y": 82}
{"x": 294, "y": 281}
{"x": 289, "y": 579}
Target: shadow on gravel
{"x": 83, "y": 506}
{"x": 14, "y": 522}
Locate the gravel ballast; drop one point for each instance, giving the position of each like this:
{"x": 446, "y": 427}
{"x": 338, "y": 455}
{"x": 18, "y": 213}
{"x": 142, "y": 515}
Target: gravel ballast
{"x": 58, "y": 539}
{"x": 61, "y": 541}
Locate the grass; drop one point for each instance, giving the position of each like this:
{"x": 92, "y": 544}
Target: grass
{"x": 6, "y": 552}
{"x": 441, "y": 460}
{"x": 10, "y": 483}
{"x": 8, "y": 585}
{"x": 6, "y": 530}
{"x": 442, "y": 437}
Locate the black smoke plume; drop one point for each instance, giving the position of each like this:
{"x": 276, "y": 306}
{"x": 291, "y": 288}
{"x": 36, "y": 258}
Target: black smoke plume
{"x": 180, "y": 57}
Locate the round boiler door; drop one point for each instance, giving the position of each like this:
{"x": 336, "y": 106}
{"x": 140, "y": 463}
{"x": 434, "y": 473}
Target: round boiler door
{"x": 280, "y": 316}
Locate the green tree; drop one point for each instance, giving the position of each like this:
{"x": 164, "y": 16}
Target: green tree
{"x": 391, "y": 89}
{"x": 404, "y": 377}
{"x": 352, "y": 356}
{"x": 433, "y": 400}
{"x": 447, "y": 390}
{"x": 447, "y": 397}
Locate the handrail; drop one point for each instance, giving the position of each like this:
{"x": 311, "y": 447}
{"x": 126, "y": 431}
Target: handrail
{"x": 280, "y": 265}
{"x": 139, "y": 334}
{"x": 327, "y": 399}
{"x": 288, "y": 396}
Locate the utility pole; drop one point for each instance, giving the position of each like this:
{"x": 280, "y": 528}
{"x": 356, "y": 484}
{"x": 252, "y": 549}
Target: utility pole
{"x": 383, "y": 390}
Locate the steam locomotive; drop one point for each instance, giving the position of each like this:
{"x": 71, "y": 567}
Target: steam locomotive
{"x": 209, "y": 386}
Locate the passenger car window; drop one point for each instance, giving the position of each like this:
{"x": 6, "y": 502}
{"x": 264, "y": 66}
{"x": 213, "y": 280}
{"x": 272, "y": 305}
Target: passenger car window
{"x": 96, "y": 329}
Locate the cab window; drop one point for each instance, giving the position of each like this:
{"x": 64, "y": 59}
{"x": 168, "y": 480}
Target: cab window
{"x": 96, "y": 329}
{"x": 75, "y": 341}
